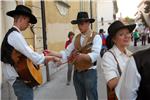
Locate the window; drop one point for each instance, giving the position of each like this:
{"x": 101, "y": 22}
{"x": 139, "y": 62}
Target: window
{"x": 63, "y": 7}
{"x": 20, "y": 2}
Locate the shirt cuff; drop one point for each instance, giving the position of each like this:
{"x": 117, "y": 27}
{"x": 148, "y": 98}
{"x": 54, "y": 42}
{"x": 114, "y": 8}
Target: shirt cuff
{"x": 64, "y": 56}
{"x": 41, "y": 61}
{"x": 110, "y": 76}
{"x": 92, "y": 58}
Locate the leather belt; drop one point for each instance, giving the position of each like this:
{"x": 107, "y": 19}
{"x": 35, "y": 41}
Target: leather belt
{"x": 26, "y": 82}
{"x": 82, "y": 71}
{"x": 94, "y": 64}
{"x": 18, "y": 78}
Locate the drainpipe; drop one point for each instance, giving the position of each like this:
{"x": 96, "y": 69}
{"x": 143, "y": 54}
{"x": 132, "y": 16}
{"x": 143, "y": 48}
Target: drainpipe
{"x": 44, "y": 34}
{"x": 91, "y": 13}
{"x": 43, "y": 24}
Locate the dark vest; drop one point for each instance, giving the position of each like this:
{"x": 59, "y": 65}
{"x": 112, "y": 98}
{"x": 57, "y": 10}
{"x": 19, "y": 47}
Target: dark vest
{"x": 142, "y": 59}
{"x": 6, "y": 48}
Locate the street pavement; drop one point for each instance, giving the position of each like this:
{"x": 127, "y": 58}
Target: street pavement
{"x": 57, "y": 89}
{"x": 138, "y": 47}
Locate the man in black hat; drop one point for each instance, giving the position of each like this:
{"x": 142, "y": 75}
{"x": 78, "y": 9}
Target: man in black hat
{"x": 83, "y": 53}
{"x": 14, "y": 40}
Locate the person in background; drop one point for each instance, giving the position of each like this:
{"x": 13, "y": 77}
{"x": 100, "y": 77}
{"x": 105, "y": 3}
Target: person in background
{"x": 148, "y": 35}
{"x": 103, "y": 36}
{"x": 70, "y": 37}
{"x": 148, "y": 38}
{"x": 115, "y": 59}
{"x": 70, "y": 66}
{"x": 145, "y": 36}
{"x": 136, "y": 37}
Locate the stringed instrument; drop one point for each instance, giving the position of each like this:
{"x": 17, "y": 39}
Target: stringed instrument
{"x": 28, "y": 72}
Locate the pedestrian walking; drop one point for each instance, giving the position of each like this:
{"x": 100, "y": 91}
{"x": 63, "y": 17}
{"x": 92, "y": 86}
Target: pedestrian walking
{"x": 103, "y": 36}
{"x": 143, "y": 35}
{"x": 136, "y": 37}
{"x": 148, "y": 39}
{"x": 70, "y": 66}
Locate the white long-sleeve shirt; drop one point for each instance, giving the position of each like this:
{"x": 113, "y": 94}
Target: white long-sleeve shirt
{"x": 16, "y": 40}
{"x": 109, "y": 64}
{"x": 129, "y": 82}
{"x": 96, "y": 47}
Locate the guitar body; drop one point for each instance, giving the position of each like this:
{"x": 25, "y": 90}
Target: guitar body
{"x": 27, "y": 71}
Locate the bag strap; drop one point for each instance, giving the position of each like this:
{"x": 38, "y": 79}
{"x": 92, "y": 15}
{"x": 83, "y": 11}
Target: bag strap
{"x": 118, "y": 66}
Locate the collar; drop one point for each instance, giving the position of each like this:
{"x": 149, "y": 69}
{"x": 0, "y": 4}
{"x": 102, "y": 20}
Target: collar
{"x": 69, "y": 40}
{"x": 119, "y": 53}
{"x": 17, "y": 28}
{"x": 87, "y": 33}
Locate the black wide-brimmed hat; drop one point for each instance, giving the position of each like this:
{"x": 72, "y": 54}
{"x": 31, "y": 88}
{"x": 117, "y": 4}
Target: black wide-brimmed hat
{"x": 82, "y": 16}
{"x": 117, "y": 25}
{"x": 23, "y": 10}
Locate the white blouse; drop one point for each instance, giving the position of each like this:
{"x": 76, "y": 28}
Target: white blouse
{"x": 127, "y": 88}
{"x": 109, "y": 64}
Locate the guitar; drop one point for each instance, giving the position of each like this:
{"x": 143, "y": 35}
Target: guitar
{"x": 27, "y": 71}
{"x": 34, "y": 43}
